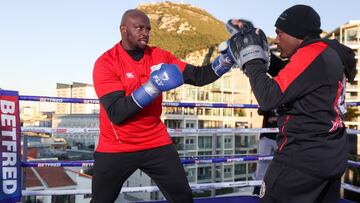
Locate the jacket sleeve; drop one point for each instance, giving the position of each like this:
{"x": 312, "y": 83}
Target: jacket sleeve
{"x": 293, "y": 81}
{"x": 266, "y": 90}
{"x": 276, "y": 64}
{"x": 199, "y": 75}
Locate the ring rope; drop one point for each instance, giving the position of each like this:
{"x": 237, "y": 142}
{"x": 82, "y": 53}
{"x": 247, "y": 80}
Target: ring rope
{"x": 171, "y": 131}
{"x": 185, "y": 161}
{"x": 169, "y": 104}
{"x": 202, "y": 186}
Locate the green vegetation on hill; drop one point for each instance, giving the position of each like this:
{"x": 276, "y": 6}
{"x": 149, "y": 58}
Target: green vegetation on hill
{"x": 182, "y": 28}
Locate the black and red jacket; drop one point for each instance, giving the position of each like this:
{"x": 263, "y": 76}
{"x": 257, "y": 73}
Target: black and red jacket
{"x": 311, "y": 89}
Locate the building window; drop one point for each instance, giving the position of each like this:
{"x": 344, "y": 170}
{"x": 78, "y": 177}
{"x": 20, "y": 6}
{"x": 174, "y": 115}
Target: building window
{"x": 190, "y": 124}
{"x": 189, "y": 141}
{"x": 204, "y": 173}
{"x": 216, "y": 97}
{"x": 205, "y": 142}
{"x": 208, "y": 112}
{"x": 227, "y": 172}
{"x": 228, "y": 142}
{"x": 209, "y": 124}
{"x": 189, "y": 111}
{"x": 206, "y": 153}
{"x": 190, "y": 173}
{"x": 199, "y": 111}
{"x": 227, "y": 112}
{"x": 178, "y": 142}
{"x": 203, "y": 95}
{"x": 218, "y": 141}
{"x": 217, "y": 171}
{"x": 239, "y": 112}
{"x": 173, "y": 123}
{"x": 216, "y": 112}
{"x": 173, "y": 95}
{"x": 190, "y": 93}
{"x": 227, "y": 82}
{"x": 243, "y": 141}
{"x": 63, "y": 198}
{"x": 190, "y": 144}
{"x": 173, "y": 110}
{"x": 240, "y": 169}
{"x": 227, "y": 98}
{"x": 351, "y": 36}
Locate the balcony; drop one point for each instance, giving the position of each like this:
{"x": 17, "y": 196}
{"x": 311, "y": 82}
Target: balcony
{"x": 353, "y": 98}
{"x": 204, "y": 178}
{"x": 205, "y": 147}
{"x": 190, "y": 146}
{"x": 351, "y": 88}
{"x": 228, "y": 175}
{"x": 191, "y": 179}
{"x": 228, "y": 146}
{"x": 180, "y": 147}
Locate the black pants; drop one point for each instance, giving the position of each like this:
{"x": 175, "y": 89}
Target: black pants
{"x": 283, "y": 184}
{"x": 161, "y": 164}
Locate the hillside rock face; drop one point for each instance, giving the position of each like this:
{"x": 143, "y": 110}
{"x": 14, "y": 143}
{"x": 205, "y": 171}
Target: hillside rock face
{"x": 190, "y": 33}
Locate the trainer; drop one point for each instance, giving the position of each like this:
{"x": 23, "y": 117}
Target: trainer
{"x": 312, "y": 142}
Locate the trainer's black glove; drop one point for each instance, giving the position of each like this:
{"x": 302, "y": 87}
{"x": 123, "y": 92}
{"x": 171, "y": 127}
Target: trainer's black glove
{"x": 247, "y": 45}
{"x": 233, "y": 26}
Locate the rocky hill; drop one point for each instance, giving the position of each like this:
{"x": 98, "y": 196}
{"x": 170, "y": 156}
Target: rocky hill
{"x": 188, "y": 32}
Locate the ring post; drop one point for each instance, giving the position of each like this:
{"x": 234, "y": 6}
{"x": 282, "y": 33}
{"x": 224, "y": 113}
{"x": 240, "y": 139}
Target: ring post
{"x": 10, "y": 162}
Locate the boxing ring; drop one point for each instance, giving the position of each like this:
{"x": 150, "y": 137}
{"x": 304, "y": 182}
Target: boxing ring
{"x": 12, "y": 164}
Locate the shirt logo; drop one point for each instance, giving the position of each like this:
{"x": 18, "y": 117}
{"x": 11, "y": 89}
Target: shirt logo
{"x": 130, "y": 75}
{"x": 155, "y": 67}
{"x": 283, "y": 16}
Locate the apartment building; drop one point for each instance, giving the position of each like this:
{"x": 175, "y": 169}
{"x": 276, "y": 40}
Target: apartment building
{"x": 82, "y": 140}
{"x": 30, "y": 115}
{"x": 76, "y": 90}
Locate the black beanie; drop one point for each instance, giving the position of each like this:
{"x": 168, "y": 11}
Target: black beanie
{"x": 300, "y": 21}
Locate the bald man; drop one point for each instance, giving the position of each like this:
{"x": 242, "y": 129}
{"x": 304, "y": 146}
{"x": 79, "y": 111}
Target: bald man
{"x": 129, "y": 79}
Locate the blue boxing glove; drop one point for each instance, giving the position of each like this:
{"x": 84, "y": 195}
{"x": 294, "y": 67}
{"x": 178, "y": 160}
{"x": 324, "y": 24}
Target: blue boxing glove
{"x": 224, "y": 62}
{"x": 163, "y": 78}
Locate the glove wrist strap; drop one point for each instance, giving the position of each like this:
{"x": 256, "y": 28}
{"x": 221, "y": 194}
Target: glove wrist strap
{"x": 151, "y": 89}
{"x": 252, "y": 52}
